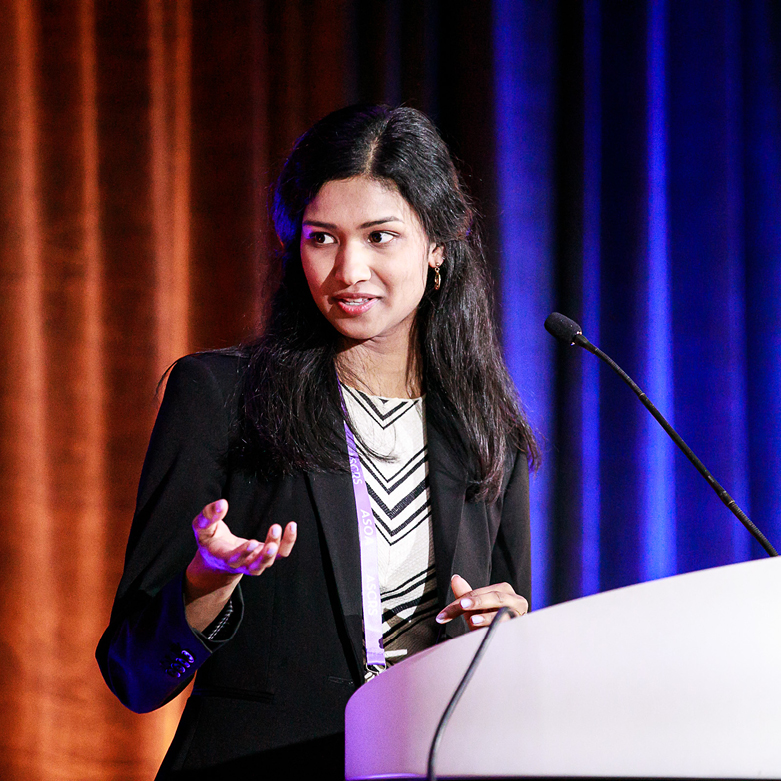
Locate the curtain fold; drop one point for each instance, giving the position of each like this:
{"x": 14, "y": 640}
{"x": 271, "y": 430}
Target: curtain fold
{"x": 625, "y": 157}
{"x": 665, "y": 248}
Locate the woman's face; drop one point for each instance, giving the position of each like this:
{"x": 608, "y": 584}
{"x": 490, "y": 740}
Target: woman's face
{"x": 366, "y": 258}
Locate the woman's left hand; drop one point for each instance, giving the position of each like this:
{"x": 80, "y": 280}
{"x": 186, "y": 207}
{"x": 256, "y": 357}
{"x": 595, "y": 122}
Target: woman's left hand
{"x": 480, "y": 605}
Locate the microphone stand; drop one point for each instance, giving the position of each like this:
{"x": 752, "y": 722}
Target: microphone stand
{"x": 568, "y": 331}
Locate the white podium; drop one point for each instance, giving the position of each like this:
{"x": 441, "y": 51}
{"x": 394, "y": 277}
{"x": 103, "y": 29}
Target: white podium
{"x": 676, "y": 678}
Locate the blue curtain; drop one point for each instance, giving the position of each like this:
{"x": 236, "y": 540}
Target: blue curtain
{"x": 638, "y": 183}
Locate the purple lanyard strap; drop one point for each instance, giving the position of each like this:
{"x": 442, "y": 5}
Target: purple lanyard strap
{"x": 370, "y": 573}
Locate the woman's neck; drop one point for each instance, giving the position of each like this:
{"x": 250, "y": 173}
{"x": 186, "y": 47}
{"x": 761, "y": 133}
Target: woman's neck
{"x": 391, "y": 373}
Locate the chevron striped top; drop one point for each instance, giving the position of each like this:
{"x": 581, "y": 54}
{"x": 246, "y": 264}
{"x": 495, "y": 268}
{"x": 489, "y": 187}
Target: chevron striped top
{"x": 399, "y": 494}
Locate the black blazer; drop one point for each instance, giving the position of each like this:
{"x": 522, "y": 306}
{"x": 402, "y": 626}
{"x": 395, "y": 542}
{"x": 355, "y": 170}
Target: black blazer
{"x": 284, "y": 677}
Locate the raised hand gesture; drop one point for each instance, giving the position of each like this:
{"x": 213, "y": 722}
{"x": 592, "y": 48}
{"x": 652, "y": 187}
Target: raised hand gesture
{"x": 223, "y": 558}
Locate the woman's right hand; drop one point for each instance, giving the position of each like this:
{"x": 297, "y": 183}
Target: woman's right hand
{"x": 222, "y": 559}
{"x": 222, "y": 551}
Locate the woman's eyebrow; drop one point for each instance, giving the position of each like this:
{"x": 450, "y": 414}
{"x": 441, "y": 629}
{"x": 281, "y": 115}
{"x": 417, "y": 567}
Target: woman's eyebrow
{"x": 381, "y": 222}
{"x": 370, "y": 224}
{"x": 317, "y": 224}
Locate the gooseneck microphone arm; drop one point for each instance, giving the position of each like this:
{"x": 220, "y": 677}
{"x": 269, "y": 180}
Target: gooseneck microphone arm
{"x": 570, "y": 332}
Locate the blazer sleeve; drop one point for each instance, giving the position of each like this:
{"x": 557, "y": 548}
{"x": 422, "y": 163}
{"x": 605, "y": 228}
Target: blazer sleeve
{"x": 149, "y": 652}
{"x": 511, "y": 555}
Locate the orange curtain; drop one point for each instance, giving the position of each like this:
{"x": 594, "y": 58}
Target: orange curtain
{"x": 137, "y": 141}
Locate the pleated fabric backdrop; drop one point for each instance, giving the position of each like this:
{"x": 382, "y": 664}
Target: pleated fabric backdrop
{"x": 639, "y": 182}
{"x": 626, "y": 160}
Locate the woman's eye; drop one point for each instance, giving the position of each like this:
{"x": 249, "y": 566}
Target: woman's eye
{"x": 380, "y": 237}
{"x": 318, "y": 237}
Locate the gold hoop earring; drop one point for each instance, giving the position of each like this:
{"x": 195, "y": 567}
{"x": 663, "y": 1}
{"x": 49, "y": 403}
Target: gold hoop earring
{"x": 437, "y": 278}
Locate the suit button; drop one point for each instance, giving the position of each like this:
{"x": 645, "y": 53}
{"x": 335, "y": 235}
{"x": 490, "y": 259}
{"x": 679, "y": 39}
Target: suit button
{"x": 173, "y": 673}
{"x": 187, "y": 655}
{"x": 180, "y": 668}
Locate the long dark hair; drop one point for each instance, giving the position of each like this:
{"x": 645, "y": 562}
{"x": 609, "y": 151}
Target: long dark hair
{"x": 292, "y": 415}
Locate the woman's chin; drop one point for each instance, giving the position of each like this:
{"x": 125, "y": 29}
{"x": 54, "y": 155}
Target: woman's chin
{"x": 354, "y": 334}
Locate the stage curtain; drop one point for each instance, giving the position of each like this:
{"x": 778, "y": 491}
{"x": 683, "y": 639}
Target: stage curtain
{"x": 137, "y": 143}
{"x": 638, "y": 150}
{"x": 625, "y": 157}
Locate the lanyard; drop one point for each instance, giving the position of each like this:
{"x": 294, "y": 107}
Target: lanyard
{"x": 367, "y": 536}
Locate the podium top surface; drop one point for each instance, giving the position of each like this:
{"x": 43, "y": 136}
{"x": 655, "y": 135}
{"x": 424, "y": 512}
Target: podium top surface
{"x": 675, "y": 678}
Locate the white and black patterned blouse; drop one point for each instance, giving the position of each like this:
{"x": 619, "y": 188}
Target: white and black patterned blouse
{"x": 399, "y": 494}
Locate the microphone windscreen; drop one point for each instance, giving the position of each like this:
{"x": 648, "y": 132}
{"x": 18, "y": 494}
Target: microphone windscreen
{"x": 562, "y": 327}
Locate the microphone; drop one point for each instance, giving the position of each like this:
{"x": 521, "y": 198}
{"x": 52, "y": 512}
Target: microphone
{"x": 569, "y": 332}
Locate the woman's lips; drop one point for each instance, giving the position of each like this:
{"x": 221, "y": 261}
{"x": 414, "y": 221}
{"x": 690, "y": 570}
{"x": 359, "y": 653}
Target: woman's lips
{"x": 355, "y": 305}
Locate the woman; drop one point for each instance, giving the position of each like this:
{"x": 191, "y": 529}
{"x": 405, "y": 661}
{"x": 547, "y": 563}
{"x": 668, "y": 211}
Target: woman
{"x": 271, "y": 592}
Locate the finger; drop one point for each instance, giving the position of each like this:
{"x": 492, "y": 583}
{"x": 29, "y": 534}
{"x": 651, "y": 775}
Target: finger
{"x": 489, "y": 598}
{"x": 274, "y": 548}
{"x": 210, "y": 514}
{"x": 252, "y": 555}
{"x": 245, "y": 553}
{"x": 453, "y": 610}
{"x": 288, "y": 540}
{"x": 480, "y": 620}
{"x": 264, "y": 559}
{"x": 253, "y": 558}
{"x": 274, "y": 533}
{"x": 493, "y": 598}
{"x": 459, "y": 586}
{"x": 274, "y": 536}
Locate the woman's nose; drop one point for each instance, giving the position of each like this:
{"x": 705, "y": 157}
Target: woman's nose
{"x": 352, "y": 266}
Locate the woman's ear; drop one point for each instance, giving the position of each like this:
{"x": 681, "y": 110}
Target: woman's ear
{"x": 436, "y": 255}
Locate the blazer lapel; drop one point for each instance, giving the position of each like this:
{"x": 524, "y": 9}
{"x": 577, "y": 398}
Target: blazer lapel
{"x": 334, "y": 500}
{"x": 447, "y": 483}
